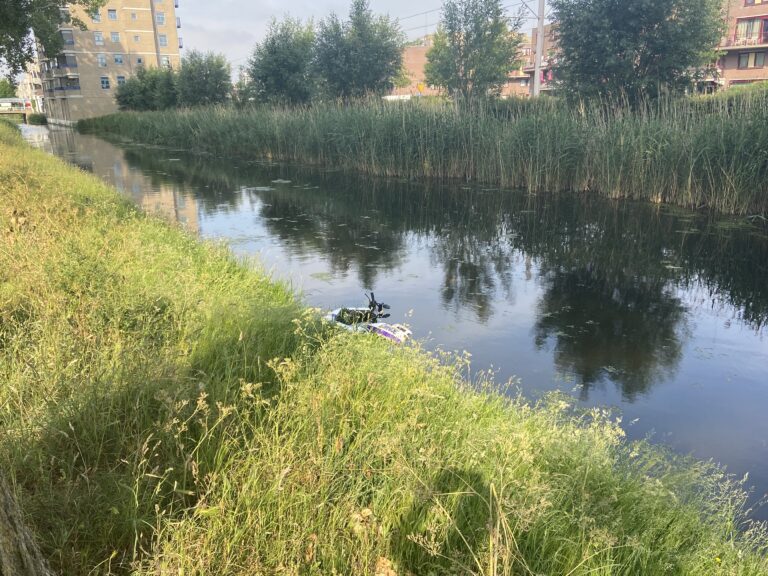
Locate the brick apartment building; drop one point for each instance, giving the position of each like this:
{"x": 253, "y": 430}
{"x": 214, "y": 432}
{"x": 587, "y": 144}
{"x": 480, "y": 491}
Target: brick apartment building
{"x": 745, "y": 44}
{"x": 122, "y": 37}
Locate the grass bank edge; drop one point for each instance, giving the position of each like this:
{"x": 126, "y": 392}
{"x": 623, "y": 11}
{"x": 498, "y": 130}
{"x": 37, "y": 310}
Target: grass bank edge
{"x": 139, "y": 437}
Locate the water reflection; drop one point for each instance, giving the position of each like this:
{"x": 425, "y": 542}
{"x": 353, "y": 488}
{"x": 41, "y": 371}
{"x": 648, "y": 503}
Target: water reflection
{"x": 609, "y": 271}
{"x": 622, "y": 329}
{"x": 153, "y": 193}
{"x": 660, "y": 311}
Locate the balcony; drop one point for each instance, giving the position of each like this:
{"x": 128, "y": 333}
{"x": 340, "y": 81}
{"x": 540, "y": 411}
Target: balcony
{"x": 740, "y": 43}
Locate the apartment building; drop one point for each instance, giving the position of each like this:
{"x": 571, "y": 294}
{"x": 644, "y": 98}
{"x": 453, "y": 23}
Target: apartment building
{"x": 122, "y": 37}
{"x": 31, "y": 86}
{"x": 745, "y": 44}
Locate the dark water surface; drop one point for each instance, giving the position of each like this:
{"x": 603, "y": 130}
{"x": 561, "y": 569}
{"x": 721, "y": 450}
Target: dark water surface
{"x": 657, "y": 311}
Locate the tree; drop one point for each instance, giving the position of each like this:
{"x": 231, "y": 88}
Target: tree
{"x": 475, "y": 48}
{"x": 7, "y": 89}
{"x": 18, "y": 17}
{"x": 204, "y": 79}
{"x": 150, "y": 89}
{"x": 281, "y": 65}
{"x": 632, "y": 49}
{"x": 361, "y": 56}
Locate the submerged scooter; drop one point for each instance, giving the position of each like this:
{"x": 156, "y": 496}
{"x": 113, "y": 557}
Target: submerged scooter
{"x": 367, "y": 320}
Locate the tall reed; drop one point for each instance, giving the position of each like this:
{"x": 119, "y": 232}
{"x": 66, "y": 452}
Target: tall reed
{"x": 693, "y": 153}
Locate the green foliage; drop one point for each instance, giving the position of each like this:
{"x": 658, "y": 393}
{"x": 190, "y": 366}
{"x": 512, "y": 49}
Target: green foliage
{"x": 204, "y": 79}
{"x": 18, "y": 17}
{"x": 168, "y": 410}
{"x": 37, "y": 119}
{"x": 678, "y": 151}
{"x": 281, "y": 65}
{"x": 7, "y": 89}
{"x": 474, "y": 49}
{"x": 634, "y": 49}
{"x": 150, "y": 89}
{"x": 360, "y": 56}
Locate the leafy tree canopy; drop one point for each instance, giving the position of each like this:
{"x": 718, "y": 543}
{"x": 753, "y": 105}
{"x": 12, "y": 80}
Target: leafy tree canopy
{"x": 281, "y": 65}
{"x": 475, "y": 48}
{"x": 634, "y": 49}
{"x": 360, "y": 56}
{"x": 150, "y": 89}
{"x": 18, "y": 17}
{"x": 204, "y": 79}
{"x": 7, "y": 89}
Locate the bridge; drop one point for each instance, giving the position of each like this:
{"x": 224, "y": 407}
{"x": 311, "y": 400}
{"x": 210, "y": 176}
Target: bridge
{"x": 16, "y": 107}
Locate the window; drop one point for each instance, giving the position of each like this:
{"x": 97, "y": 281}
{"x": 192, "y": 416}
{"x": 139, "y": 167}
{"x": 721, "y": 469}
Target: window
{"x": 120, "y": 80}
{"x": 118, "y": 58}
{"x": 133, "y": 15}
{"x": 165, "y": 61}
{"x": 160, "y": 18}
{"x": 754, "y": 2}
{"x": 162, "y": 39}
{"x": 139, "y": 60}
{"x": 98, "y": 38}
{"x": 66, "y": 61}
{"x": 105, "y": 83}
{"x": 112, "y": 14}
{"x": 744, "y": 60}
{"x": 751, "y": 60}
{"x": 67, "y": 37}
{"x": 115, "y": 37}
{"x": 96, "y": 17}
{"x": 101, "y": 59}
{"x": 136, "y": 38}
{"x": 747, "y": 29}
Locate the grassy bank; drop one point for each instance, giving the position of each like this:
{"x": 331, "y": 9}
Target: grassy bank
{"x": 693, "y": 153}
{"x": 162, "y": 412}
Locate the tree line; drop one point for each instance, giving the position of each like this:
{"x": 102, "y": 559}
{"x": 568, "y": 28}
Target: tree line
{"x": 475, "y": 49}
{"x": 607, "y": 49}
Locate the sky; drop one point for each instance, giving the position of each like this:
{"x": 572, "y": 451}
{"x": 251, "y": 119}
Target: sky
{"x": 233, "y": 27}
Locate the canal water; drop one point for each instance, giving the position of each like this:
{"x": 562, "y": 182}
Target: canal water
{"x": 654, "y": 310}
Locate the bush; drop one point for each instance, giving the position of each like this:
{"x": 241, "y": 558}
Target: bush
{"x": 37, "y": 119}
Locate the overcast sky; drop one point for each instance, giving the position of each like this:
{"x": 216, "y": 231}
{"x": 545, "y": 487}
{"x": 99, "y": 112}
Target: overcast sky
{"x": 232, "y": 27}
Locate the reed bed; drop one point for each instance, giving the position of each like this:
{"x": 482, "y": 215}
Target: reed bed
{"x": 696, "y": 153}
{"x": 166, "y": 409}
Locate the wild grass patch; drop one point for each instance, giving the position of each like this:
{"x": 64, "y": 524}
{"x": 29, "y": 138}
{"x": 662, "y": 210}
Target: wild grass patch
{"x": 166, "y": 409}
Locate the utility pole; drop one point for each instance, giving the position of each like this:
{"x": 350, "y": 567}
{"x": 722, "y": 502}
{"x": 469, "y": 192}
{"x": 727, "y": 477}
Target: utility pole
{"x": 539, "y": 49}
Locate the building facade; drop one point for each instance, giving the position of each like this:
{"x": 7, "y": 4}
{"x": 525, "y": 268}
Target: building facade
{"x": 122, "y": 37}
{"x": 745, "y": 45}
{"x": 31, "y": 87}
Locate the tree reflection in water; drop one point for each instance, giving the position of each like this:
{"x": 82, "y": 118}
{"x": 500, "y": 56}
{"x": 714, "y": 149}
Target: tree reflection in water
{"x": 620, "y": 328}
{"x": 611, "y": 273}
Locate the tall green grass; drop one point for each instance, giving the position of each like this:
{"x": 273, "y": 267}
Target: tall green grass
{"x": 168, "y": 410}
{"x": 694, "y": 153}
